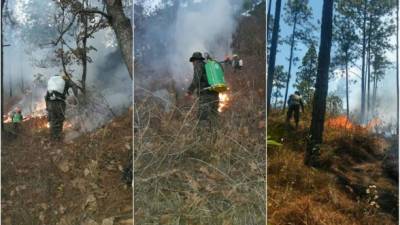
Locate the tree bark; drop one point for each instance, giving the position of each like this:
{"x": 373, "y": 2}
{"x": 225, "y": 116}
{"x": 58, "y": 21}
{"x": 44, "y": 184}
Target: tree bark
{"x": 272, "y": 55}
{"x": 397, "y": 68}
{"x": 321, "y": 87}
{"x": 84, "y": 45}
{"x": 123, "y": 31}
{"x": 347, "y": 89}
{"x": 369, "y": 68}
{"x": 290, "y": 61}
{"x": 2, "y": 67}
{"x": 363, "y": 81}
{"x": 268, "y": 17}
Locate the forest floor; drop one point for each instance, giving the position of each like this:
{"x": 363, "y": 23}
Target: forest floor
{"x": 351, "y": 188}
{"x": 77, "y": 183}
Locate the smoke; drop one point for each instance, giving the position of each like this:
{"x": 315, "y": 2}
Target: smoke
{"x": 29, "y": 61}
{"x": 385, "y": 101}
{"x": 165, "y": 49}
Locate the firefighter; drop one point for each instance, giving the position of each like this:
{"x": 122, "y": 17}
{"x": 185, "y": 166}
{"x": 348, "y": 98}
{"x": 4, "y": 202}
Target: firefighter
{"x": 295, "y": 102}
{"x": 16, "y": 119}
{"x": 57, "y": 90}
{"x": 237, "y": 63}
{"x": 208, "y": 100}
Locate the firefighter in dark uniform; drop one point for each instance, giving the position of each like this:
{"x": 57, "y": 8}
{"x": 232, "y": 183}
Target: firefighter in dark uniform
{"x": 208, "y": 100}
{"x": 57, "y": 90}
{"x": 294, "y": 103}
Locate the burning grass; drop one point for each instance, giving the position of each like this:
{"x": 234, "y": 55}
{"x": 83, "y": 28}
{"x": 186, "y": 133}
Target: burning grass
{"x": 337, "y": 193}
{"x": 188, "y": 174}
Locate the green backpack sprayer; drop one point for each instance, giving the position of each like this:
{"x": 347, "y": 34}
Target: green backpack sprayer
{"x": 215, "y": 76}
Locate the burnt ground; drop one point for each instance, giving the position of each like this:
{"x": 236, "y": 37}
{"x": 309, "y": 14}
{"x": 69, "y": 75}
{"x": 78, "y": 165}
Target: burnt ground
{"x": 79, "y": 182}
{"x": 354, "y": 185}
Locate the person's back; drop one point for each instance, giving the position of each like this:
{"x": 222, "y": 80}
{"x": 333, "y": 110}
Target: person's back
{"x": 57, "y": 89}
{"x": 294, "y": 99}
{"x": 295, "y": 102}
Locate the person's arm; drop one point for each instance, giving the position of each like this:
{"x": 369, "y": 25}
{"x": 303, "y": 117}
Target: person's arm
{"x": 196, "y": 78}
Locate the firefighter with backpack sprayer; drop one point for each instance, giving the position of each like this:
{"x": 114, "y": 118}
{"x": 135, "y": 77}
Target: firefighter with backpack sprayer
{"x": 207, "y": 82}
{"x": 295, "y": 102}
{"x": 57, "y": 90}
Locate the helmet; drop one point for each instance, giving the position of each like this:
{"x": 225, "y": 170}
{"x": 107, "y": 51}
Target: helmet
{"x": 196, "y": 56}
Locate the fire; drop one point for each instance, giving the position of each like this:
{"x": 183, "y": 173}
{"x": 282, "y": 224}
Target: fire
{"x": 344, "y": 122}
{"x": 67, "y": 125}
{"x": 223, "y": 101}
{"x": 340, "y": 122}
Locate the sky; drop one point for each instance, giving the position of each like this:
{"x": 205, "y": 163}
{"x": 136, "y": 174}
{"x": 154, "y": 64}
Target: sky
{"x": 387, "y": 86}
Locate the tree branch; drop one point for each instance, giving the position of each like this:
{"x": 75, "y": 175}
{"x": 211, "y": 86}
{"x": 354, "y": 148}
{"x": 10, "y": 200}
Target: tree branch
{"x": 95, "y": 11}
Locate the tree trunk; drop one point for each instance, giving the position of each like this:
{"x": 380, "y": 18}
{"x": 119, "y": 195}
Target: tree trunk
{"x": 347, "y": 90}
{"x": 290, "y": 61}
{"x": 368, "y": 83}
{"x": 272, "y": 55}
{"x": 369, "y": 68}
{"x": 2, "y": 67}
{"x": 123, "y": 31}
{"x": 268, "y": 17}
{"x": 84, "y": 45}
{"x": 321, "y": 87}
{"x": 397, "y": 68}
{"x": 375, "y": 89}
{"x": 363, "y": 81}
{"x": 276, "y": 101}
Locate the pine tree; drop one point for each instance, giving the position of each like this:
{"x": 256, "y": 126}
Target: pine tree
{"x": 272, "y": 55}
{"x": 347, "y": 47}
{"x": 279, "y": 83}
{"x": 305, "y": 77}
{"x": 298, "y": 15}
{"x": 371, "y": 26}
{"x": 321, "y": 87}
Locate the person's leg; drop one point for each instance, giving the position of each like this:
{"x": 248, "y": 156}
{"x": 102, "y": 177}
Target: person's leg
{"x": 213, "y": 109}
{"x": 297, "y": 115}
{"x": 203, "y": 109}
{"x": 51, "y": 109}
{"x": 289, "y": 114}
{"x": 59, "y": 119}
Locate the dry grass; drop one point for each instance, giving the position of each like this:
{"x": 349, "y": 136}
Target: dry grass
{"x": 186, "y": 174}
{"x": 335, "y": 194}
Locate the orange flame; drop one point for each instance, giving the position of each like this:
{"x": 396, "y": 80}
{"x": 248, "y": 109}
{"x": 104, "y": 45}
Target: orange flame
{"x": 344, "y": 122}
{"x": 340, "y": 122}
{"x": 223, "y": 101}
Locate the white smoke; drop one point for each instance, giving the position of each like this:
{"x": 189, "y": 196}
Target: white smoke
{"x": 198, "y": 26}
{"x": 205, "y": 28}
{"x": 108, "y": 83}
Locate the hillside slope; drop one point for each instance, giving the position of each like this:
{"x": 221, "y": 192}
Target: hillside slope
{"x": 351, "y": 188}
{"x": 186, "y": 174}
{"x": 73, "y": 183}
